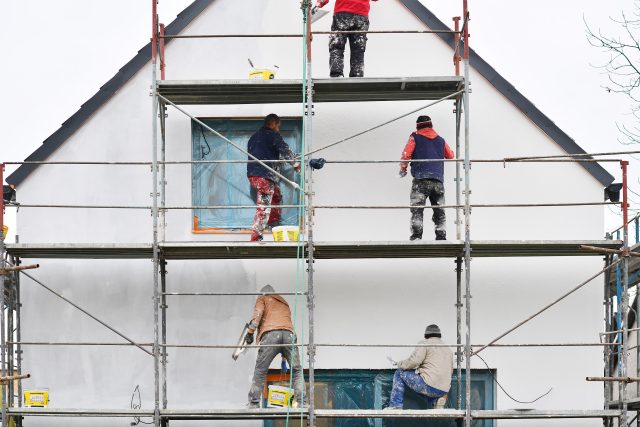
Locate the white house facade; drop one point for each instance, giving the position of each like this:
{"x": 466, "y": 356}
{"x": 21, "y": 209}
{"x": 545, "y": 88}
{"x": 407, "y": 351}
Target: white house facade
{"x": 369, "y": 301}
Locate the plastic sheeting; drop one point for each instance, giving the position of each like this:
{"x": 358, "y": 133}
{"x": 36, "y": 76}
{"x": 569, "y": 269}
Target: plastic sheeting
{"x": 370, "y": 389}
{"x": 226, "y": 184}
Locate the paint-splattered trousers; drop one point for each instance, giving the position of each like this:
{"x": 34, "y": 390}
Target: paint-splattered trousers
{"x": 345, "y": 21}
{"x": 421, "y": 190}
{"x": 403, "y": 379}
{"x": 267, "y": 194}
{"x": 266, "y": 356}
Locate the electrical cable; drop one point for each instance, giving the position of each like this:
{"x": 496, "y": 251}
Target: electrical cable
{"x": 204, "y": 155}
{"x": 505, "y": 391}
{"x": 137, "y": 420}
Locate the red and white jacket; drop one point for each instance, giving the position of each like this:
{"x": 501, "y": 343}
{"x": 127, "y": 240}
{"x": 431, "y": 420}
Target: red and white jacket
{"x": 359, "y": 7}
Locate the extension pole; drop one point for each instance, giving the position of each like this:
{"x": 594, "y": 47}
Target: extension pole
{"x": 309, "y": 190}
{"x": 154, "y": 211}
{"x": 625, "y": 291}
{"x": 3, "y": 344}
{"x": 467, "y": 220}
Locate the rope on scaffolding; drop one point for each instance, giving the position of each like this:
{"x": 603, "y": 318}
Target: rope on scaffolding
{"x": 386, "y": 123}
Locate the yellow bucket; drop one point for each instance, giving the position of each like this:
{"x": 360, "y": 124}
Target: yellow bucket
{"x": 285, "y": 233}
{"x": 279, "y": 397}
{"x": 36, "y": 398}
{"x": 5, "y": 230}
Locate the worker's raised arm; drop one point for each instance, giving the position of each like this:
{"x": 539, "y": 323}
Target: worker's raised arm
{"x": 415, "y": 360}
{"x": 448, "y": 152}
{"x": 258, "y": 312}
{"x": 285, "y": 151}
{"x": 407, "y": 154}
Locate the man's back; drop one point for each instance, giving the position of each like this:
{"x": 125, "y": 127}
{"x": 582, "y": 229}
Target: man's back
{"x": 359, "y": 7}
{"x": 272, "y": 313}
{"x": 437, "y": 365}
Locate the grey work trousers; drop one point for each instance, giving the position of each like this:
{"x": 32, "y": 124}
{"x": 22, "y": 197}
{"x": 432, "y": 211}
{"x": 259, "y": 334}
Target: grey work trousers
{"x": 266, "y": 356}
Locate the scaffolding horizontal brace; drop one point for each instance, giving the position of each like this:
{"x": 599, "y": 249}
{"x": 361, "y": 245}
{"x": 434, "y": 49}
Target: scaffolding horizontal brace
{"x": 614, "y": 379}
{"x": 621, "y": 252}
{"x": 9, "y": 270}
{"x": 9, "y": 378}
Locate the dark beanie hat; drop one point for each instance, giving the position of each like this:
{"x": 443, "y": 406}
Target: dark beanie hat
{"x": 432, "y": 330}
{"x": 424, "y": 122}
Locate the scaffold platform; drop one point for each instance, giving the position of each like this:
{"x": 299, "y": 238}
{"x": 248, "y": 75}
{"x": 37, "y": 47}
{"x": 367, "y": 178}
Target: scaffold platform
{"x": 212, "y": 92}
{"x": 262, "y": 414}
{"x": 322, "y": 250}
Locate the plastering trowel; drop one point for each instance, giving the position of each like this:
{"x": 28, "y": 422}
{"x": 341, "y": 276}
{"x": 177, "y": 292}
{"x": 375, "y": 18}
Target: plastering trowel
{"x": 317, "y": 14}
{"x": 242, "y": 345}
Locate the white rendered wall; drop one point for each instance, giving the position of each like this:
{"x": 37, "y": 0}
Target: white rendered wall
{"x": 361, "y": 301}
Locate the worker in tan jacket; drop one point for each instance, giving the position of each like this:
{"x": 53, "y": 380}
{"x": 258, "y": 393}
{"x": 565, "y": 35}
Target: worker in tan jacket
{"x": 427, "y": 372}
{"x": 272, "y": 319}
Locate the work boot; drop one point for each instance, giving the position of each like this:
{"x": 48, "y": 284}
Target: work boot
{"x": 392, "y": 408}
{"x": 415, "y": 237}
{"x": 441, "y": 402}
{"x": 441, "y": 235}
{"x": 255, "y": 236}
{"x": 253, "y": 405}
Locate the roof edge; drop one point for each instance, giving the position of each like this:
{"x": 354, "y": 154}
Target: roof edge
{"x": 104, "y": 94}
{"x": 543, "y": 122}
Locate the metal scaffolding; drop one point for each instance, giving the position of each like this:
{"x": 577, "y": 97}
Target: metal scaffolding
{"x": 308, "y": 91}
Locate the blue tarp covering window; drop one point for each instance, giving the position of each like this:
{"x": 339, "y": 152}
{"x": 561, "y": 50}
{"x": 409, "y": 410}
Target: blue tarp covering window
{"x": 225, "y": 184}
{"x": 370, "y": 389}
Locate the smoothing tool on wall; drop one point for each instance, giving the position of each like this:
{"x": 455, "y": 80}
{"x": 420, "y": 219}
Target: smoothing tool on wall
{"x": 242, "y": 344}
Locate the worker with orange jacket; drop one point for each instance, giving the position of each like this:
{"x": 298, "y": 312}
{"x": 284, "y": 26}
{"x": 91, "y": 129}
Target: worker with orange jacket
{"x": 428, "y": 177}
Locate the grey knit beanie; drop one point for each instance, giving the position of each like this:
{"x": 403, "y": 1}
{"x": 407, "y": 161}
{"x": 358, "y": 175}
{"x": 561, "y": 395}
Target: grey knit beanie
{"x": 432, "y": 329}
{"x": 267, "y": 289}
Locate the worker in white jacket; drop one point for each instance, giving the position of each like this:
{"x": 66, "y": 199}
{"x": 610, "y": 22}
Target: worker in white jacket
{"x": 427, "y": 372}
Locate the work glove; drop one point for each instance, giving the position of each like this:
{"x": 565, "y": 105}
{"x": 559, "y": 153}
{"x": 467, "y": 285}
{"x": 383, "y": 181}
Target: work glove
{"x": 297, "y": 167}
{"x": 317, "y": 163}
{"x": 321, "y": 3}
{"x": 402, "y": 173}
{"x": 249, "y": 338}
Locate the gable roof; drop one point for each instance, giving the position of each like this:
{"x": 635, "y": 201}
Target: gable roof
{"x": 53, "y": 142}
{"x": 78, "y": 119}
{"x": 511, "y": 93}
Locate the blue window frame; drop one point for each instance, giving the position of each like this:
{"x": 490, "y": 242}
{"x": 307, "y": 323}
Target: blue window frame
{"x": 226, "y": 184}
{"x": 370, "y": 389}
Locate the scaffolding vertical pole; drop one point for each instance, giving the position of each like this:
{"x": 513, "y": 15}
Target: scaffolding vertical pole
{"x": 154, "y": 213}
{"x": 459, "y": 305}
{"x": 625, "y": 291}
{"x": 606, "y": 351}
{"x": 163, "y": 171}
{"x": 18, "y": 333}
{"x": 10, "y": 338}
{"x": 163, "y": 307}
{"x": 309, "y": 190}
{"x": 467, "y": 220}
{"x": 3, "y": 344}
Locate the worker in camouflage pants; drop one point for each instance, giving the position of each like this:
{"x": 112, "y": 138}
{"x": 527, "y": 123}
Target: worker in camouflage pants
{"x": 267, "y": 144}
{"x": 428, "y": 176}
{"x": 349, "y": 15}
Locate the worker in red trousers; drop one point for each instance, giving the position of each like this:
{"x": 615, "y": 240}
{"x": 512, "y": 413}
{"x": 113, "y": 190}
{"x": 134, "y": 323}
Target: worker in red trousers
{"x": 267, "y": 144}
{"x": 348, "y": 15}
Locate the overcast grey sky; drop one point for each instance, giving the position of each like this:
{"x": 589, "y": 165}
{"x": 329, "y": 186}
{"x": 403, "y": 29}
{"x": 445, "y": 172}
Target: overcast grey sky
{"x": 58, "y": 53}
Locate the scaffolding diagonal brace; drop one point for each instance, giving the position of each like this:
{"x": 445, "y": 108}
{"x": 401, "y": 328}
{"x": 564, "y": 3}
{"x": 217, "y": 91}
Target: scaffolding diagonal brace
{"x": 115, "y": 331}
